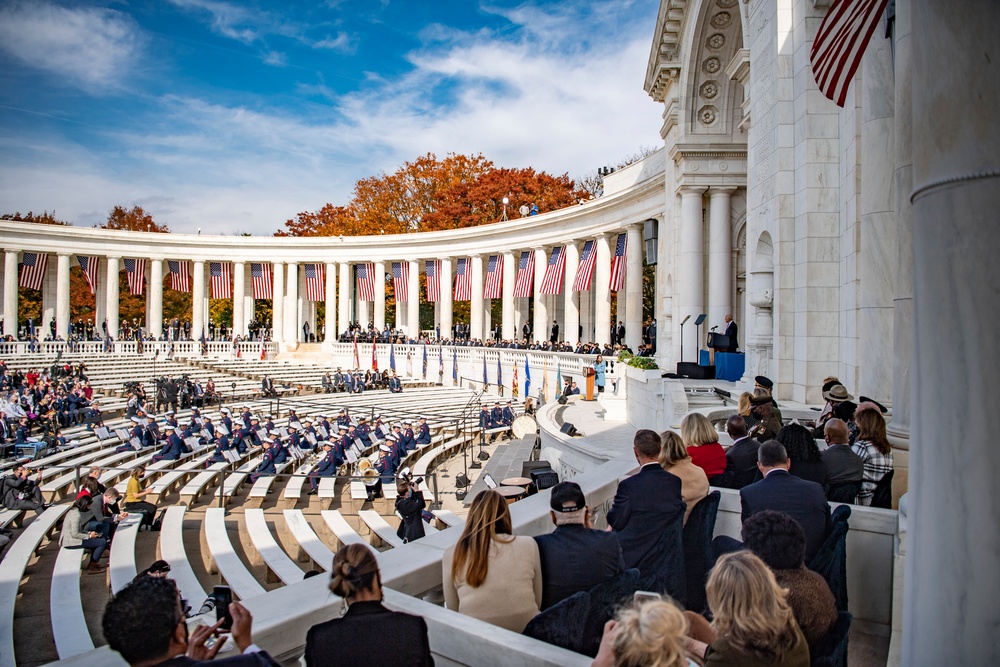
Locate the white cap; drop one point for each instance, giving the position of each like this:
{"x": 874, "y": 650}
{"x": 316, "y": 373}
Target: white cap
{"x": 384, "y": 448}
{"x": 295, "y": 425}
{"x": 267, "y": 440}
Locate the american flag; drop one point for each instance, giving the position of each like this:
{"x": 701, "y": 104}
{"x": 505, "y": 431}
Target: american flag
{"x": 400, "y": 276}
{"x": 586, "y": 268}
{"x": 260, "y": 276}
{"x": 618, "y": 263}
{"x": 840, "y": 43}
{"x": 357, "y": 361}
{"x": 33, "y": 269}
{"x": 366, "y": 281}
{"x": 374, "y": 355}
{"x": 433, "y": 279}
{"x": 463, "y": 281}
{"x": 553, "y": 280}
{"x": 135, "y": 269}
{"x": 494, "y": 278}
{"x": 222, "y": 283}
{"x": 89, "y": 266}
{"x": 315, "y": 282}
{"x": 180, "y": 276}
{"x": 525, "y": 274}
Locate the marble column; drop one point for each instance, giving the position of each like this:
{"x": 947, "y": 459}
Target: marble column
{"x": 633, "y": 287}
{"x": 540, "y": 321}
{"x": 239, "y": 299}
{"x": 154, "y": 298}
{"x": 278, "y": 303}
{"x": 48, "y": 300}
{"x": 570, "y": 326}
{"x": 446, "y": 299}
{"x": 343, "y": 299}
{"x": 330, "y": 316}
{"x": 400, "y": 315}
{"x": 587, "y": 315}
{"x": 293, "y": 331}
{"x": 100, "y": 300}
{"x": 951, "y": 576}
{"x": 602, "y": 290}
{"x": 476, "y": 305}
{"x": 198, "y": 300}
{"x": 379, "y": 305}
{"x": 62, "y": 295}
{"x": 720, "y": 257}
{"x": 692, "y": 267}
{"x": 507, "y": 321}
{"x": 413, "y": 305}
{"x": 112, "y": 297}
{"x": 10, "y": 281}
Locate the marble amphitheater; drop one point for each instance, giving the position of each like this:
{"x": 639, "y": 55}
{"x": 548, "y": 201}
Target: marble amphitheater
{"x": 835, "y": 236}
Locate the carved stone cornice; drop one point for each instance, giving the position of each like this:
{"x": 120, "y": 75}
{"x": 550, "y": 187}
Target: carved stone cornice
{"x": 664, "y": 62}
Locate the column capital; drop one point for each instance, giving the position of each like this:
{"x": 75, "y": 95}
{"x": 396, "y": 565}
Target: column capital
{"x": 112, "y": 257}
{"x": 65, "y": 253}
{"x": 692, "y": 189}
{"x": 719, "y": 190}
{"x": 636, "y": 225}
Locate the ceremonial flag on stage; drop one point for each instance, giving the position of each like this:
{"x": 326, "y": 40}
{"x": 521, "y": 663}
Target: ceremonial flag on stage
{"x": 409, "y": 362}
{"x": 493, "y": 288}
{"x": 841, "y": 42}
{"x": 618, "y": 263}
{"x": 374, "y": 355}
{"x": 135, "y": 269}
{"x": 433, "y": 280}
{"x": 392, "y": 356}
{"x": 441, "y": 364}
{"x": 180, "y": 276}
{"x": 89, "y": 266}
{"x": 366, "y": 281}
{"x": 454, "y": 365}
{"x": 315, "y": 282}
{"x": 586, "y": 268}
{"x": 559, "y": 383}
{"x": 463, "y": 281}
{"x": 513, "y": 387}
{"x": 33, "y": 270}
{"x": 425, "y": 360}
{"x": 525, "y": 274}
{"x": 486, "y": 379}
{"x": 499, "y": 375}
{"x": 400, "y": 277}
{"x": 527, "y": 377}
{"x": 260, "y": 276}
{"x": 553, "y": 280}
{"x": 221, "y": 275}
{"x": 357, "y": 359}
{"x": 545, "y": 383}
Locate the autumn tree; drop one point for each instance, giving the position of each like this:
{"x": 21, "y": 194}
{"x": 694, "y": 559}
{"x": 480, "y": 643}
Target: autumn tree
{"x": 45, "y": 218}
{"x": 134, "y": 220}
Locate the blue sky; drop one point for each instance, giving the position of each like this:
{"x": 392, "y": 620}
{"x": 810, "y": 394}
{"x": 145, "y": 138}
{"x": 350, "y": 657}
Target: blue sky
{"x": 233, "y": 116}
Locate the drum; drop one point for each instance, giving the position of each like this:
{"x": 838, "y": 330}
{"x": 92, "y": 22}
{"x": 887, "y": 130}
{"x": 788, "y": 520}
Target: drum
{"x": 511, "y": 493}
{"x": 524, "y": 425}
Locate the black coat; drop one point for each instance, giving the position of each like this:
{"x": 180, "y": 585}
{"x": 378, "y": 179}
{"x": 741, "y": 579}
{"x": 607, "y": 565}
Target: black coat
{"x": 804, "y": 501}
{"x": 645, "y": 506}
{"x": 258, "y": 659}
{"x": 575, "y": 559}
{"x": 411, "y": 509}
{"x": 741, "y": 464}
{"x": 371, "y": 635}
{"x": 732, "y": 331}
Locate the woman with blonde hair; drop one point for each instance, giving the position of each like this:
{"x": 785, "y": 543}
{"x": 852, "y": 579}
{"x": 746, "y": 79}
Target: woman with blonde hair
{"x": 702, "y": 442}
{"x": 675, "y": 459}
{"x": 873, "y": 447}
{"x": 646, "y": 634}
{"x": 490, "y": 573}
{"x": 744, "y": 404}
{"x": 754, "y": 625}
{"x": 135, "y": 491}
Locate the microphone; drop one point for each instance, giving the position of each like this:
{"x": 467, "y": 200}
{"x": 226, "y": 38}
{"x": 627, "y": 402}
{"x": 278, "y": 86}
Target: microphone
{"x": 715, "y": 327}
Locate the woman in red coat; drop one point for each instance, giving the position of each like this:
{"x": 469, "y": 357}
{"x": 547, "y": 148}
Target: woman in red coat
{"x": 703, "y": 446}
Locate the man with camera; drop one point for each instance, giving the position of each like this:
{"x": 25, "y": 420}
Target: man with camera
{"x": 410, "y": 506}
{"x": 18, "y": 492}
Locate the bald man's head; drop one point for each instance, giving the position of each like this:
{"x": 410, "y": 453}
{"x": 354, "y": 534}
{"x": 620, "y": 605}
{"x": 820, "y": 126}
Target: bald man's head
{"x": 836, "y": 432}
{"x": 736, "y": 427}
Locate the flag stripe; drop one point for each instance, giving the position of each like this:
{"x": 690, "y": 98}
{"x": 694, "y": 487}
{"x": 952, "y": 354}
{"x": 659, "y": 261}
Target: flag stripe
{"x": 463, "y": 280}
{"x": 315, "y": 282}
{"x": 493, "y": 288}
{"x": 33, "y": 269}
{"x": 586, "y": 269}
{"x": 523, "y": 283}
{"x": 261, "y": 279}
{"x": 135, "y": 269}
{"x": 180, "y": 276}
{"x": 841, "y": 42}
{"x": 221, "y": 280}
{"x": 366, "y": 281}
{"x": 618, "y": 263}
{"x": 433, "y": 280}
{"x": 553, "y": 280}
{"x": 400, "y": 278}
{"x": 89, "y": 266}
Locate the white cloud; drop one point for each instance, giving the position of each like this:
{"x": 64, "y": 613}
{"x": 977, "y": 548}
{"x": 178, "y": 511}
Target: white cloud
{"x": 229, "y": 20}
{"x": 88, "y": 47}
{"x": 275, "y": 58}
{"x": 341, "y": 43}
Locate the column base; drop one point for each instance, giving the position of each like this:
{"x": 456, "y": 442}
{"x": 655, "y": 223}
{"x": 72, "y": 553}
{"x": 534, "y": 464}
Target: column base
{"x": 899, "y": 438}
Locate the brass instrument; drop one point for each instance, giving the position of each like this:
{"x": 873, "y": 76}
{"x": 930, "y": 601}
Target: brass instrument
{"x": 367, "y": 470}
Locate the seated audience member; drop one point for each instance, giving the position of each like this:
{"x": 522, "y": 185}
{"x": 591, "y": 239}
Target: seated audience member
{"x": 873, "y": 447}
{"x": 675, "y": 459}
{"x": 744, "y": 406}
{"x": 134, "y": 494}
{"x": 144, "y": 622}
{"x": 574, "y": 556}
{"x": 702, "y": 442}
{"x": 753, "y": 625}
{"x": 779, "y": 541}
{"x": 490, "y": 573}
{"x": 74, "y": 536}
{"x": 645, "y": 505}
{"x": 741, "y": 457}
{"x": 834, "y": 393}
{"x": 19, "y": 492}
{"x": 400, "y": 639}
{"x": 803, "y": 453}
{"x": 762, "y": 422}
{"x": 645, "y": 634}
{"x": 410, "y": 506}
{"x": 842, "y": 464}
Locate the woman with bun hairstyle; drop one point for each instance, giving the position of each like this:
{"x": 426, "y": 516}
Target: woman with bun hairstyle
{"x": 368, "y": 633}
{"x": 646, "y": 634}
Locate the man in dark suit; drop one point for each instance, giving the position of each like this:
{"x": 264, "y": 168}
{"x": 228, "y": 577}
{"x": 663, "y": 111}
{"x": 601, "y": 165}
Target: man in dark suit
{"x": 741, "y": 458}
{"x": 843, "y": 465}
{"x": 620, "y": 334}
{"x": 732, "y": 330}
{"x": 575, "y": 557}
{"x": 145, "y": 624}
{"x": 780, "y": 491}
{"x": 554, "y": 334}
{"x": 526, "y": 330}
{"x": 645, "y": 505}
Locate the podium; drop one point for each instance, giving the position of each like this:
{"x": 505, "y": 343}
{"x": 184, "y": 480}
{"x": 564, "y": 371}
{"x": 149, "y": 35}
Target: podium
{"x": 590, "y": 374}
{"x": 717, "y": 343}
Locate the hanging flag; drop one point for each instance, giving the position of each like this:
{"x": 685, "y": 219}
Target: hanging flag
{"x": 525, "y": 274}
{"x": 559, "y": 383}
{"x": 221, "y": 279}
{"x": 433, "y": 280}
{"x": 89, "y": 266}
{"x": 260, "y": 276}
{"x": 463, "y": 281}
{"x": 545, "y": 383}
{"x": 315, "y": 282}
{"x": 409, "y": 362}
{"x": 553, "y": 280}
{"x": 425, "y": 360}
{"x": 33, "y": 269}
{"x": 374, "y": 355}
{"x": 486, "y": 379}
{"x": 366, "y": 281}
{"x": 499, "y": 375}
{"x": 357, "y": 359}
{"x": 180, "y": 276}
{"x": 392, "y": 356}
{"x": 513, "y": 385}
{"x": 400, "y": 276}
{"x": 441, "y": 364}
{"x": 618, "y": 263}
{"x": 135, "y": 269}
{"x": 493, "y": 288}
{"x": 586, "y": 268}
{"x": 840, "y": 43}
{"x": 527, "y": 378}
{"x": 454, "y": 365}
